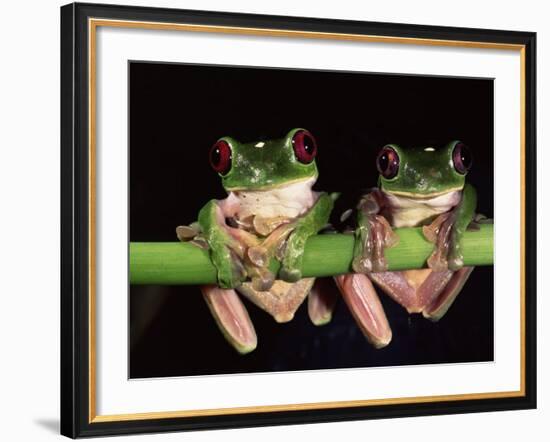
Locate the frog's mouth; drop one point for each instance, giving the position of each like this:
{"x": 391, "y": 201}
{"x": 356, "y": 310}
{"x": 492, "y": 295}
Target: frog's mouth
{"x": 423, "y": 196}
{"x": 273, "y": 186}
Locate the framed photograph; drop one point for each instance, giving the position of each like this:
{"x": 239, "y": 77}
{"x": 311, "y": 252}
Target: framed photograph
{"x": 275, "y": 220}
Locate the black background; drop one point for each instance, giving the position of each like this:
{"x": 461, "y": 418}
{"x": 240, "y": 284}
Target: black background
{"x": 178, "y": 111}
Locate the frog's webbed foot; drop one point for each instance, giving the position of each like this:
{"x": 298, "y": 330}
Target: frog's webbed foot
{"x": 187, "y": 233}
{"x": 439, "y": 306}
{"x": 424, "y": 290}
{"x": 290, "y": 270}
{"x": 258, "y": 256}
{"x": 448, "y": 251}
{"x": 364, "y": 304}
{"x": 226, "y": 249}
{"x": 478, "y": 221}
{"x": 231, "y": 317}
{"x": 290, "y": 249}
{"x": 321, "y": 301}
{"x": 372, "y": 235}
{"x": 291, "y": 252}
{"x": 371, "y": 238}
{"x": 192, "y": 234}
{"x": 413, "y": 289}
{"x": 281, "y": 300}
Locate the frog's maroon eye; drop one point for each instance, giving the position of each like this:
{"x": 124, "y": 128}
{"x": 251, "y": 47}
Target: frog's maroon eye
{"x": 305, "y": 147}
{"x": 387, "y": 162}
{"x": 220, "y": 157}
{"x": 462, "y": 158}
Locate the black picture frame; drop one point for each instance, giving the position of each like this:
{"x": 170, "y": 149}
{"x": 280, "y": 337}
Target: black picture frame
{"x": 77, "y": 407}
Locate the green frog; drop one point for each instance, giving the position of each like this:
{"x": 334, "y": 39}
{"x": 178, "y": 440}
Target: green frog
{"x": 269, "y": 213}
{"x": 417, "y": 187}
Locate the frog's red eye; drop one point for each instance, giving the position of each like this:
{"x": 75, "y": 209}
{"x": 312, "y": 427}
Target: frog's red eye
{"x": 462, "y": 158}
{"x": 305, "y": 147}
{"x": 220, "y": 157}
{"x": 387, "y": 162}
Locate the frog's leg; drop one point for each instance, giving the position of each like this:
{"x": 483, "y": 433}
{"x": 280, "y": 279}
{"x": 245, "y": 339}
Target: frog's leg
{"x": 226, "y": 251}
{"x": 446, "y": 232}
{"x": 365, "y": 306}
{"x": 321, "y": 301}
{"x": 305, "y": 226}
{"x": 423, "y": 291}
{"x": 231, "y": 316}
{"x": 439, "y": 306}
{"x": 372, "y": 235}
{"x": 413, "y": 289}
{"x": 281, "y": 300}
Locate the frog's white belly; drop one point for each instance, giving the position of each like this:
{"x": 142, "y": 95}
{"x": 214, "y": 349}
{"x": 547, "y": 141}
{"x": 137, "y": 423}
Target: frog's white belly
{"x": 412, "y": 212}
{"x": 288, "y": 201}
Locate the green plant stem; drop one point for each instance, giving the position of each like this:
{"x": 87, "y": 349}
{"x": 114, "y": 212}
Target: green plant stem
{"x": 176, "y": 263}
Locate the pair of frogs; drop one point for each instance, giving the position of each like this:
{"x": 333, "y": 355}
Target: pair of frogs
{"x": 271, "y": 211}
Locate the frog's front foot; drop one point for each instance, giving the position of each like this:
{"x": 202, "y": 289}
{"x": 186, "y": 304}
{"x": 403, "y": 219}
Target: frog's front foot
{"x": 447, "y": 254}
{"x": 372, "y": 236}
{"x": 227, "y": 260}
{"x": 292, "y": 254}
{"x": 258, "y": 257}
{"x": 231, "y": 271}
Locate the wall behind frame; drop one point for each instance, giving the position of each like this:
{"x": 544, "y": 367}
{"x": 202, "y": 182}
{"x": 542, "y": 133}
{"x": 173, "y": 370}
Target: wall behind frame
{"x": 29, "y": 229}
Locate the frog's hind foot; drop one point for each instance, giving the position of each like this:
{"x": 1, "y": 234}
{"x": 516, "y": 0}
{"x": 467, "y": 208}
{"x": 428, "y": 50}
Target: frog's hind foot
{"x": 365, "y": 306}
{"x": 321, "y": 301}
{"x": 412, "y": 289}
{"x": 423, "y": 290}
{"x": 439, "y": 306}
{"x": 281, "y": 300}
{"x": 231, "y": 317}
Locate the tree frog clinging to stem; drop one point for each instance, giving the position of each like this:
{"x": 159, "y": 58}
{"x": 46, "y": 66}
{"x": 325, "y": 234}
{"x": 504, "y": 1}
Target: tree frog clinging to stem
{"x": 417, "y": 187}
{"x": 269, "y": 212}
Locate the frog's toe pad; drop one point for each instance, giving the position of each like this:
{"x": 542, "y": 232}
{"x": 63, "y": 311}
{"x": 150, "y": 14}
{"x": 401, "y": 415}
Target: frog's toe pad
{"x": 438, "y": 263}
{"x": 290, "y": 275}
{"x": 262, "y": 282}
{"x": 361, "y": 264}
{"x": 321, "y": 301}
{"x": 456, "y": 262}
{"x": 186, "y": 233}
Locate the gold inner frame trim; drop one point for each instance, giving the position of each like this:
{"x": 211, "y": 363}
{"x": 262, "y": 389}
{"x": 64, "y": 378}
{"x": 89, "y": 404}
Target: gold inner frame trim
{"x": 93, "y": 24}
